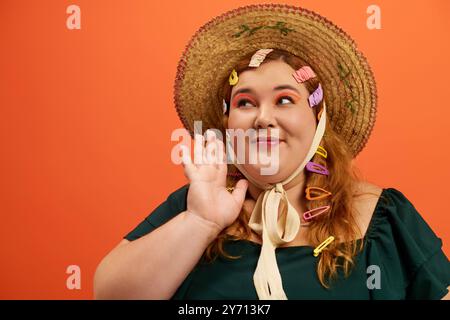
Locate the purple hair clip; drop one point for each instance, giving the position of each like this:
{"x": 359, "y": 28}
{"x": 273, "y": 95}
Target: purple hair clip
{"x": 315, "y": 97}
{"x": 317, "y": 168}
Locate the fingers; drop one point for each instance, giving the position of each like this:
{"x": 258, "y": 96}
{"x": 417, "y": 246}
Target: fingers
{"x": 199, "y": 142}
{"x": 186, "y": 160}
{"x": 210, "y": 148}
{"x": 239, "y": 191}
{"x": 210, "y": 161}
{"x": 222, "y": 158}
{"x": 214, "y": 150}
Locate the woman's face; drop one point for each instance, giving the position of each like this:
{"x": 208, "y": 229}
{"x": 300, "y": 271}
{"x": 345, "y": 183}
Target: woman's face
{"x": 268, "y": 97}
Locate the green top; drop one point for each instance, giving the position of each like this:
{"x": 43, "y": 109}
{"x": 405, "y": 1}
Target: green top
{"x": 405, "y": 254}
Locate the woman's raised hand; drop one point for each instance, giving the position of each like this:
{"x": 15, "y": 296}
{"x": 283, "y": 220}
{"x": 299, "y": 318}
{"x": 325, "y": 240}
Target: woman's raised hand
{"x": 207, "y": 195}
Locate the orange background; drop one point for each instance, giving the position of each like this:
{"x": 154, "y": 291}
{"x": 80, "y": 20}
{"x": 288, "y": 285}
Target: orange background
{"x": 86, "y": 118}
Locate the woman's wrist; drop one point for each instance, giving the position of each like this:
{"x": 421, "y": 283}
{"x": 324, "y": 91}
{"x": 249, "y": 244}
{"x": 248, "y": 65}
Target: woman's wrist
{"x": 212, "y": 228}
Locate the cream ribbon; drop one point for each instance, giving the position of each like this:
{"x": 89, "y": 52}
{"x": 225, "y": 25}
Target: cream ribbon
{"x": 276, "y": 231}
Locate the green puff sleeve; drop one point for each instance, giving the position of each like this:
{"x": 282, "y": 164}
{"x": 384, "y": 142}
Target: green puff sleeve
{"x": 408, "y": 252}
{"x": 174, "y": 204}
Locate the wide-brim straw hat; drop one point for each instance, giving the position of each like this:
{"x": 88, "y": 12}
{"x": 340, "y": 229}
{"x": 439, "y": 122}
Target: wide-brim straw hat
{"x": 214, "y": 50}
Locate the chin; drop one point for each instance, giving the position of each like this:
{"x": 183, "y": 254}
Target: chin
{"x": 257, "y": 173}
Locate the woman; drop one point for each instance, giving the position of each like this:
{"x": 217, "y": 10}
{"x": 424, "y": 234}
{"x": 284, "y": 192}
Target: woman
{"x": 310, "y": 230}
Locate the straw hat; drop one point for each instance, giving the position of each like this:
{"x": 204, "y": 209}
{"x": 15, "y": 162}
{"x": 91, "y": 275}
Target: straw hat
{"x": 348, "y": 84}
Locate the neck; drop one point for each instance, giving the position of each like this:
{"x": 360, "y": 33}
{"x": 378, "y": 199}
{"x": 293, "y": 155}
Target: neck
{"x": 294, "y": 191}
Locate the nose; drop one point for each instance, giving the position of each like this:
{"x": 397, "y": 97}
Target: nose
{"x": 265, "y": 117}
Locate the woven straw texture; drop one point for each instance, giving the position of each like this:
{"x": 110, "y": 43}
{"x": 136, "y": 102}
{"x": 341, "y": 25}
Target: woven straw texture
{"x": 210, "y": 56}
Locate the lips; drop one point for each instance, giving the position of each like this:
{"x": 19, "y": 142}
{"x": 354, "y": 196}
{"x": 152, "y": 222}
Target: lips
{"x": 267, "y": 140}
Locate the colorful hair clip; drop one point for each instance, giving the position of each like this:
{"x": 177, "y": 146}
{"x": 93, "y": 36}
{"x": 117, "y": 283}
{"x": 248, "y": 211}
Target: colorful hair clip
{"x": 319, "y": 193}
{"x": 322, "y": 246}
{"x": 303, "y": 74}
{"x": 233, "y": 78}
{"x": 311, "y": 213}
{"x": 321, "y": 151}
{"x": 225, "y": 106}
{"x": 317, "y": 168}
{"x": 315, "y": 97}
{"x": 259, "y": 57}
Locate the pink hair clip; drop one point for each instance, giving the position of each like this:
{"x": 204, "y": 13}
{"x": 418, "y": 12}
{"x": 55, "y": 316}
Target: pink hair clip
{"x": 308, "y": 215}
{"x": 259, "y": 57}
{"x": 315, "y": 97}
{"x": 303, "y": 74}
{"x": 317, "y": 168}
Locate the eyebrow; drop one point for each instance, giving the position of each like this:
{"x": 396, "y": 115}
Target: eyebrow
{"x": 277, "y": 88}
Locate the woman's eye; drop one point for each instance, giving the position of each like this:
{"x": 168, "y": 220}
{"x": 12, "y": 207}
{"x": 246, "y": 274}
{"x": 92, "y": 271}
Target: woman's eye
{"x": 285, "y": 100}
{"x": 244, "y": 103}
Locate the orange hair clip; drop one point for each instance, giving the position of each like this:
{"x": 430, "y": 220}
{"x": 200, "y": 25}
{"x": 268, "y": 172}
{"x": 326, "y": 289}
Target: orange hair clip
{"x": 320, "y": 193}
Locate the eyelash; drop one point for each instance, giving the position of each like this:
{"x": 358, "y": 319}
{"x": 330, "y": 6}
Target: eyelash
{"x": 239, "y": 102}
{"x": 287, "y": 97}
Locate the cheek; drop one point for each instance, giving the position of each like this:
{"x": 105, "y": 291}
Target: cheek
{"x": 299, "y": 123}
{"x": 240, "y": 120}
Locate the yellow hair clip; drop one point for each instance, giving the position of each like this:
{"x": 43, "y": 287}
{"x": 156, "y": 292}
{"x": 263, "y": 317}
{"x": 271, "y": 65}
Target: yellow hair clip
{"x": 233, "y": 78}
{"x": 321, "y": 150}
{"x": 321, "y": 246}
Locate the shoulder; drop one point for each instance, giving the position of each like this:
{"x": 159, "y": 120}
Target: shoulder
{"x": 365, "y": 199}
{"x": 178, "y": 197}
{"x": 406, "y": 248}
{"x": 367, "y": 190}
{"x": 396, "y": 220}
{"x": 397, "y": 212}
{"x": 174, "y": 204}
